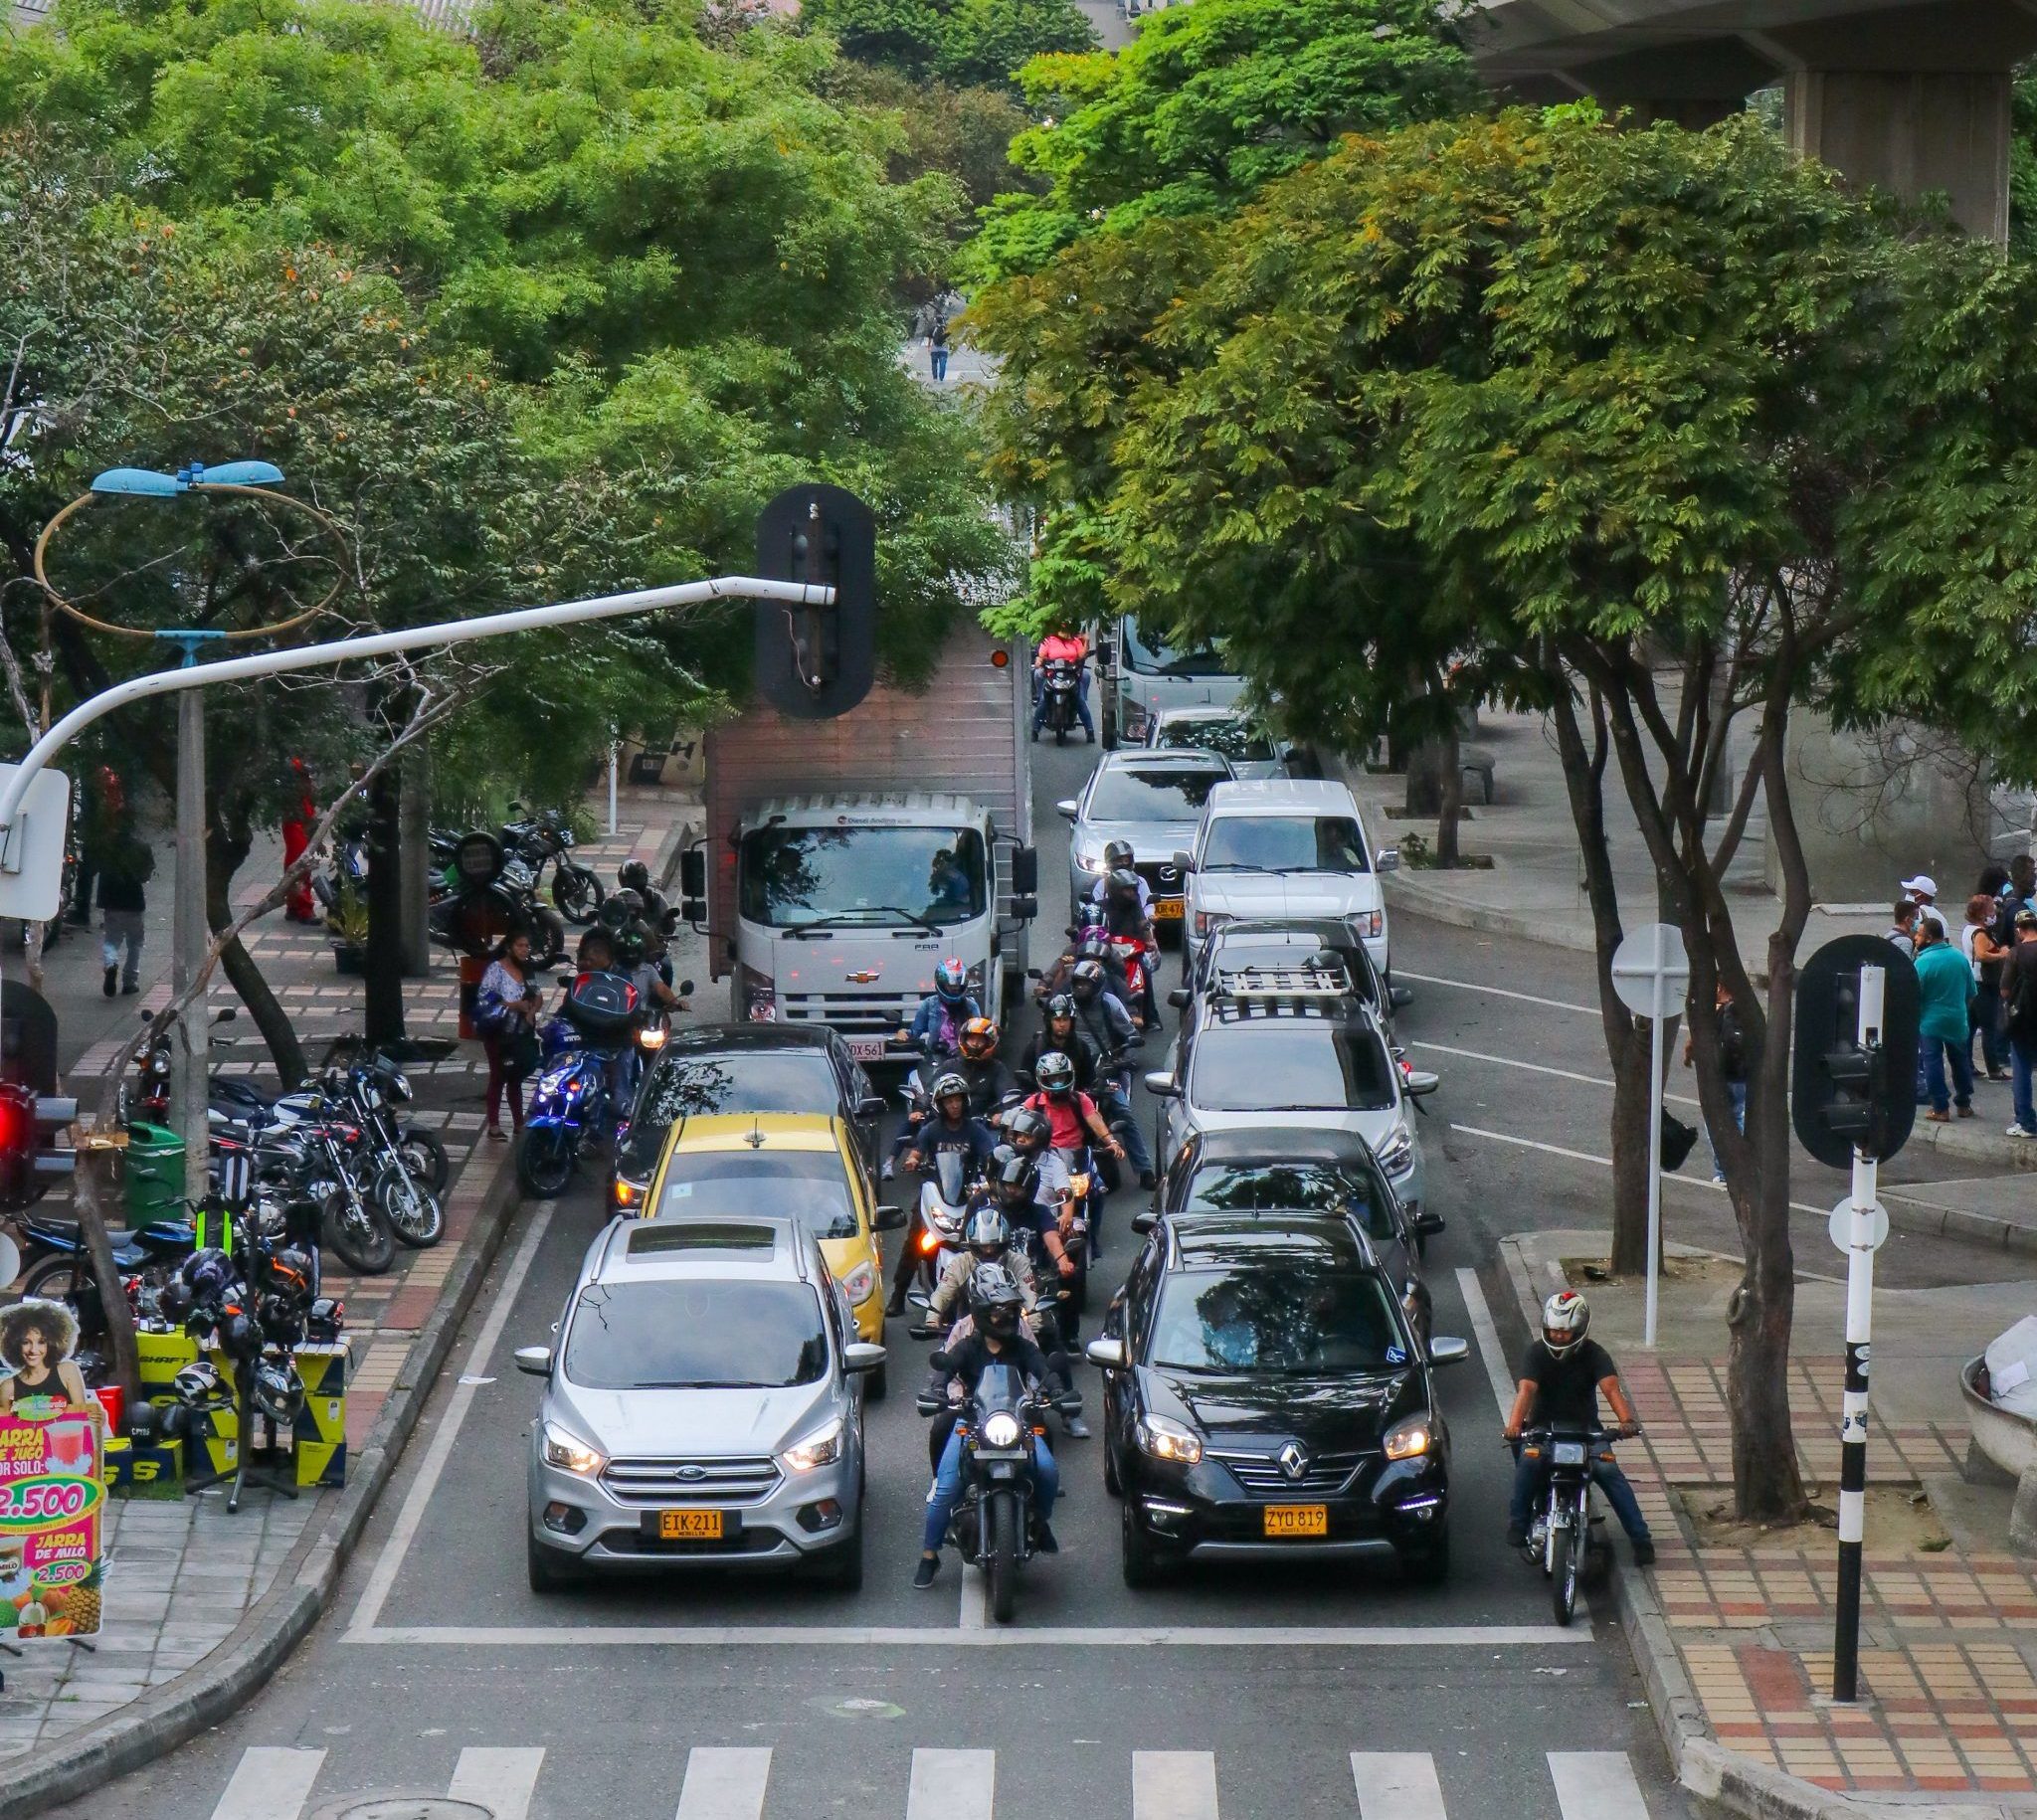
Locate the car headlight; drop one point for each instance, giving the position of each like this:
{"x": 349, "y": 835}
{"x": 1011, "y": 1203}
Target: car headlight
{"x": 1002, "y": 1430}
{"x": 821, "y": 1448}
{"x": 759, "y": 996}
{"x": 1164, "y": 1439}
{"x": 1396, "y": 1151}
{"x": 1404, "y": 1440}
{"x": 1372, "y": 924}
{"x": 630, "y": 1195}
{"x": 570, "y": 1453}
{"x": 861, "y": 1283}
{"x": 1087, "y": 862}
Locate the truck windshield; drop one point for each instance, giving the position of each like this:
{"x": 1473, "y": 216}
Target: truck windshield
{"x": 1151, "y": 657}
{"x": 861, "y": 877}
{"x": 1284, "y": 844}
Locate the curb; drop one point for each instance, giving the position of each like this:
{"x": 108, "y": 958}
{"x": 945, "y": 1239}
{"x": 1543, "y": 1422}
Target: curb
{"x": 167, "y": 1716}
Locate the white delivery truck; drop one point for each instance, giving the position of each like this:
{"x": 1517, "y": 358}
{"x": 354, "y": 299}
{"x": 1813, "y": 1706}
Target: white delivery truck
{"x": 844, "y": 859}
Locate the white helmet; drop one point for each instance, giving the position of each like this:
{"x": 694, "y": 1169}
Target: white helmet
{"x": 1565, "y": 1318}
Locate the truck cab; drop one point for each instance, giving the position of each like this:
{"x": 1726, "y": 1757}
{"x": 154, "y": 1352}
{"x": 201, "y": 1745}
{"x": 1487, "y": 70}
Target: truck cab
{"x": 1142, "y": 675}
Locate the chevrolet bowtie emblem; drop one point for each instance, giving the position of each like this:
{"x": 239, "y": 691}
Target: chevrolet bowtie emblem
{"x": 868, "y": 976}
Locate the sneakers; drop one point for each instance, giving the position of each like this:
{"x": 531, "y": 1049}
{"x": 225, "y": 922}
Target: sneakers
{"x": 923, "y": 1575}
{"x": 1516, "y": 1539}
{"x": 1077, "y": 1428}
{"x": 896, "y": 1304}
{"x": 130, "y": 986}
{"x": 1148, "y": 1180}
{"x": 1644, "y": 1552}
{"x": 2021, "y": 1131}
{"x": 1965, "y": 1112}
{"x": 111, "y": 984}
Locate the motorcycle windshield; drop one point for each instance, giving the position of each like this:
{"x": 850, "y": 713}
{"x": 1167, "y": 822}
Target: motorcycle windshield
{"x": 999, "y": 1387}
{"x": 948, "y": 1176}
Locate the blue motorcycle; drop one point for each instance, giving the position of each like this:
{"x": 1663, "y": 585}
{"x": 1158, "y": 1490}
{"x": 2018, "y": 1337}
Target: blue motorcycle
{"x": 570, "y": 1103}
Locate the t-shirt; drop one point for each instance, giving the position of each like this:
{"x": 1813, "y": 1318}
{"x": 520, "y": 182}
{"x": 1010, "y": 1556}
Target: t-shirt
{"x": 1567, "y": 1389}
{"x": 1067, "y": 649}
{"x": 1069, "y": 1116}
{"x": 1944, "y": 983}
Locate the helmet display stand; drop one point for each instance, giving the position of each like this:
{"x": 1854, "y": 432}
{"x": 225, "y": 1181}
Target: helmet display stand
{"x": 265, "y": 1475}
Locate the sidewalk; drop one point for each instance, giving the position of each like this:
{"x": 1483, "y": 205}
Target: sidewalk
{"x": 198, "y": 1602}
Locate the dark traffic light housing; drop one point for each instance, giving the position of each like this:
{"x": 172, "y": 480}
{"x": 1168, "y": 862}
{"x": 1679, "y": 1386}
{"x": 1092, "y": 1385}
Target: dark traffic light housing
{"x": 1843, "y": 1096}
{"x": 29, "y": 1161}
{"x": 814, "y": 663}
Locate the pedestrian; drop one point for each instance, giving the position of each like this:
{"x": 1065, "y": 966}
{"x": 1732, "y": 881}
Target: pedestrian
{"x": 1733, "y": 1051}
{"x": 298, "y": 905}
{"x": 102, "y": 811}
{"x": 125, "y": 867}
{"x": 2021, "y": 890}
{"x": 937, "y": 348}
{"x": 1903, "y": 927}
{"x": 1920, "y": 890}
{"x": 505, "y": 1012}
{"x": 1943, "y": 983}
{"x": 2019, "y": 1020}
{"x": 1985, "y": 953}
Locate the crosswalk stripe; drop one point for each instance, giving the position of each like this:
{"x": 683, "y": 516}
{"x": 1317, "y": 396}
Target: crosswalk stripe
{"x": 724, "y": 1784}
{"x": 1174, "y": 1785}
{"x": 269, "y": 1784}
{"x": 952, "y": 1785}
{"x": 1396, "y": 1785}
{"x": 503, "y": 1781}
{"x": 1595, "y": 1786}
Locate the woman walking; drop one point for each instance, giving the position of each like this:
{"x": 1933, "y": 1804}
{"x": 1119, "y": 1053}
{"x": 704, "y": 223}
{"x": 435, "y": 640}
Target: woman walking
{"x": 1985, "y": 953}
{"x": 507, "y": 1011}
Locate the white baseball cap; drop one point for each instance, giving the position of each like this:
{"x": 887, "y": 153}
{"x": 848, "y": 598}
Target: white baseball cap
{"x": 1919, "y": 886}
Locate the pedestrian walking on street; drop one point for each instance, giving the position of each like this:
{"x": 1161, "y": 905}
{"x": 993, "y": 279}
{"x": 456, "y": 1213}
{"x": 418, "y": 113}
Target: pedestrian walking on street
{"x": 1945, "y": 983}
{"x": 125, "y": 867}
{"x": 102, "y": 812}
{"x": 937, "y": 348}
{"x": 1985, "y": 952}
{"x": 1903, "y": 930}
{"x": 2019, "y": 1020}
{"x": 505, "y": 1012}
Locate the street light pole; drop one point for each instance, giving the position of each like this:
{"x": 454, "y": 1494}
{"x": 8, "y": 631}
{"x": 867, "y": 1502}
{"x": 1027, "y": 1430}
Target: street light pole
{"x": 191, "y": 1083}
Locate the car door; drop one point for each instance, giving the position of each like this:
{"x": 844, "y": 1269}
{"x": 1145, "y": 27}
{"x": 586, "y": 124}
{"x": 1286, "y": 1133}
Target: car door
{"x": 1128, "y": 1319}
{"x": 853, "y": 1084}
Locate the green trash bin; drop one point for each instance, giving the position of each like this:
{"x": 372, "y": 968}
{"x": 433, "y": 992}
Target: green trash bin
{"x": 156, "y": 1173}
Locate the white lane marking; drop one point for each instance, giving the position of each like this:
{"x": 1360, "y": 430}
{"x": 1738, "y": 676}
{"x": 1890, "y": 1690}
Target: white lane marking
{"x": 1562, "y": 1074}
{"x": 503, "y": 1781}
{"x": 1396, "y": 1785}
{"x": 1488, "y": 1335}
{"x": 1669, "y": 1178}
{"x": 724, "y": 1784}
{"x": 952, "y": 1785}
{"x": 269, "y": 1784}
{"x": 1595, "y": 1786}
{"x": 974, "y": 1599}
{"x": 1174, "y": 1785}
{"x": 1002, "y": 1636}
{"x": 1496, "y": 991}
{"x": 412, "y": 1516}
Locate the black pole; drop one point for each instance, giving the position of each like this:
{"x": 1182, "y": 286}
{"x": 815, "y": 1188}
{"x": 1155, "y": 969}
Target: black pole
{"x": 384, "y": 1020}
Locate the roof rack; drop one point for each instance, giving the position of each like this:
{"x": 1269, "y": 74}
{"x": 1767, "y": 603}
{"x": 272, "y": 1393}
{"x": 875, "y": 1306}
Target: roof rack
{"x": 1312, "y": 979}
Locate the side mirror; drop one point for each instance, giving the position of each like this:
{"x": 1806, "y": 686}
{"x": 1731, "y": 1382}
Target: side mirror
{"x": 536, "y": 1360}
{"x": 1143, "y": 1223}
{"x": 1024, "y": 871}
{"x": 1442, "y": 1351}
{"x": 1428, "y": 1224}
{"x": 888, "y": 1219}
{"x": 1420, "y": 1083}
{"x": 860, "y": 1356}
{"x": 1109, "y": 1355}
{"x": 870, "y": 1106}
{"x": 1183, "y": 862}
{"x": 1026, "y": 908}
{"x": 1160, "y": 1083}
{"x": 1386, "y": 859}
{"x": 1065, "y": 808}
{"x": 1400, "y": 996}
{"x": 686, "y": 988}
{"x": 694, "y": 910}
{"x": 693, "y": 872}
{"x": 227, "y": 1014}
{"x": 1180, "y": 998}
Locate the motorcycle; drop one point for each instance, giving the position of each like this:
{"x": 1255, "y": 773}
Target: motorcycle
{"x": 576, "y": 1095}
{"x": 1061, "y": 680}
{"x": 1567, "y": 1538}
{"x": 943, "y": 1213}
{"x": 545, "y": 840}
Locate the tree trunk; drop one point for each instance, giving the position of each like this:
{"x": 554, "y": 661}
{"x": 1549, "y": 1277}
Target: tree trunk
{"x": 1449, "y": 798}
{"x": 91, "y": 1191}
{"x": 384, "y": 975}
{"x": 1424, "y": 794}
{"x": 1630, "y": 1151}
{"x": 415, "y": 815}
{"x": 223, "y": 860}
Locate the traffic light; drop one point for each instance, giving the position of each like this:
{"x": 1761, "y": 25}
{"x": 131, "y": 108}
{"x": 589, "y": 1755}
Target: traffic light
{"x": 814, "y": 663}
{"x": 29, "y": 1161}
{"x": 1845, "y": 1096}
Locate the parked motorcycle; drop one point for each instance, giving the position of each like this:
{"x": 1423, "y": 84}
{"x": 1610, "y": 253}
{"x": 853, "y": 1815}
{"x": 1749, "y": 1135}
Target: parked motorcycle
{"x": 1567, "y": 1536}
{"x": 547, "y": 838}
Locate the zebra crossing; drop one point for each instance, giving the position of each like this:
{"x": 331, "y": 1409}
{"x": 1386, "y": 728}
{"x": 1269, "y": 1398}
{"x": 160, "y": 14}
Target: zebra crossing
{"x": 734, "y": 1784}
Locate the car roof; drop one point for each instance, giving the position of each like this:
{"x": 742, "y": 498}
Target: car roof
{"x": 1276, "y": 1143}
{"x": 1314, "y": 1241}
{"x": 756, "y": 1131}
{"x": 1270, "y": 1012}
{"x": 1282, "y": 796}
{"x": 755, "y": 1247}
{"x": 1163, "y": 757}
{"x": 749, "y": 1039}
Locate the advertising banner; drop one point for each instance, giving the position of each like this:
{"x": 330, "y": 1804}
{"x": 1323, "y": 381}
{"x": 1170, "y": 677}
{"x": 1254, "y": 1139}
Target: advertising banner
{"x": 52, "y": 1480}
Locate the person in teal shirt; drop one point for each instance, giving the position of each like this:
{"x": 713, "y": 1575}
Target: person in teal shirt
{"x": 1944, "y": 982}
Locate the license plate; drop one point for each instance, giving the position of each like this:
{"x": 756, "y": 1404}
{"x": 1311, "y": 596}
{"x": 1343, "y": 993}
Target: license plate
{"x": 690, "y": 1526}
{"x": 1168, "y": 909}
{"x": 1297, "y": 1520}
{"x": 1569, "y": 1453}
{"x": 867, "y": 1048}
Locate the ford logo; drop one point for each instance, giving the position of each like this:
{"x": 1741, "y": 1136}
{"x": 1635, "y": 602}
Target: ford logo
{"x": 692, "y": 1475}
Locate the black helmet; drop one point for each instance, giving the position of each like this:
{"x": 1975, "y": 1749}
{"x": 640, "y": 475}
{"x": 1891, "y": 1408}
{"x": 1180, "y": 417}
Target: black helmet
{"x": 1056, "y": 1074}
{"x": 614, "y": 913}
{"x": 207, "y": 1273}
{"x": 994, "y": 1301}
{"x": 951, "y": 981}
{"x": 631, "y": 903}
{"x": 950, "y": 1086}
{"x": 1117, "y": 855}
{"x": 634, "y": 875}
{"x": 1122, "y": 886}
{"x": 1061, "y": 1004}
{"x": 279, "y": 1393}
{"x": 1028, "y": 1129}
{"x": 1017, "y": 1177}
{"x": 1086, "y": 981}
{"x": 987, "y": 1234}
{"x": 1092, "y": 947}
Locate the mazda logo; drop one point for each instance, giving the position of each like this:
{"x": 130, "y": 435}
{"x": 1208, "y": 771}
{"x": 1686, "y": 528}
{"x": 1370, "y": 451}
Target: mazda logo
{"x": 1293, "y": 1462}
{"x": 1166, "y": 875}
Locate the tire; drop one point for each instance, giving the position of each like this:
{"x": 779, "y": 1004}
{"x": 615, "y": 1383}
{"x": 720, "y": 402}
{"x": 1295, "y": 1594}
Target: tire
{"x": 416, "y": 1215}
{"x": 1060, "y": 734}
{"x": 547, "y": 936}
{"x": 544, "y": 1162}
{"x": 1145, "y": 1567}
{"x": 424, "y": 1154}
{"x": 578, "y": 893}
{"x": 363, "y": 1242}
{"x": 1001, "y": 1552}
{"x": 56, "y": 1279}
{"x": 1112, "y": 1483}
{"x": 546, "y": 1569}
{"x": 1569, "y": 1569}
{"x": 1431, "y": 1567}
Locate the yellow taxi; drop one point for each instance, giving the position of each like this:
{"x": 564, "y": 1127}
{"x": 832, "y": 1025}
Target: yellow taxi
{"x": 804, "y": 1164}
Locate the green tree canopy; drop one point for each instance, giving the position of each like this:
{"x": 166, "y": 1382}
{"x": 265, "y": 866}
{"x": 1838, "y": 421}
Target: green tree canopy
{"x": 961, "y": 43}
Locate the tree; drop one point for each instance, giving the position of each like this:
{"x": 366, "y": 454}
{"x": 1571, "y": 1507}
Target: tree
{"x": 1667, "y": 421}
{"x": 963, "y": 44}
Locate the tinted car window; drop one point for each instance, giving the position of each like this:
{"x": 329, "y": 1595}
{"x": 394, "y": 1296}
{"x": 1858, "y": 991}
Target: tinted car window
{"x": 1169, "y": 794}
{"x": 1292, "y": 1066}
{"x": 1151, "y": 657}
{"x": 690, "y": 1336}
{"x": 872, "y": 877}
{"x": 1236, "y": 740}
{"x": 1285, "y": 843}
{"x": 1278, "y": 1320}
{"x": 687, "y": 1086}
{"x": 809, "y": 1185}
{"x": 1233, "y": 1188}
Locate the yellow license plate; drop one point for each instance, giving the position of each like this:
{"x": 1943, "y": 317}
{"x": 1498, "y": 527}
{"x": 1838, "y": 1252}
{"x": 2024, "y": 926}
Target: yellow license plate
{"x": 1297, "y": 1520}
{"x": 690, "y": 1526}
{"x": 1168, "y": 909}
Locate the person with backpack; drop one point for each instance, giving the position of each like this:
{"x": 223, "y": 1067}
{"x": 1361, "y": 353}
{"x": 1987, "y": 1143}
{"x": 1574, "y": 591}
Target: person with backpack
{"x": 125, "y": 867}
{"x": 2019, "y": 1020}
{"x": 1732, "y": 1047}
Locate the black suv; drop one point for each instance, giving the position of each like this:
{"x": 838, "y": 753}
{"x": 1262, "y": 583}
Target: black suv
{"x": 1265, "y": 1396}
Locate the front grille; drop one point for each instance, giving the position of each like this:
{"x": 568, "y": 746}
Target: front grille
{"x": 853, "y": 1013}
{"x": 743, "y": 1542}
{"x": 739, "y": 1479}
{"x": 1325, "y": 1475}
{"x": 1163, "y": 878}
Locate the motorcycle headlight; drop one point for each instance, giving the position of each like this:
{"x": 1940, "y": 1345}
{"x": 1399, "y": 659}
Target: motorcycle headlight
{"x": 1078, "y": 1186}
{"x": 571, "y": 1454}
{"x": 1397, "y": 1151}
{"x": 1162, "y": 1438}
{"x": 1002, "y": 1430}
{"x": 861, "y": 1283}
{"x": 821, "y": 1448}
{"x": 397, "y": 1087}
{"x": 1405, "y": 1440}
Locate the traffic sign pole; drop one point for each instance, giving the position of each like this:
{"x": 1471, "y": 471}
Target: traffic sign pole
{"x": 1650, "y": 970}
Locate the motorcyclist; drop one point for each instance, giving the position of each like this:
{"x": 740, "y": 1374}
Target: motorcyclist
{"x": 1101, "y": 1017}
{"x": 937, "y": 1026}
{"x": 1119, "y": 857}
{"x": 1027, "y": 1133}
{"x": 1128, "y": 917}
{"x": 1562, "y": 1379}
{"x": 1069, "y": 648}
{"x": 1060, "y": 1033}
{"x": 987, "y": 1240}
{"x": 998, "y": 1306}
{"x": 987, "y": 1077}
{"x": 952, "y": 1128}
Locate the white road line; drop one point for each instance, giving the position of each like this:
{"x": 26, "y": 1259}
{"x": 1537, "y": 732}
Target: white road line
{"x": 1174, "y": 1785}
{"x": 724, "y": 1784}
{"x": 1595, "y": 1786}
{"x": 1488, "y": 1335}
{"x": 1562, "y": 1074}
{"x": 975, "y": 1610}
{"x": 1496, "y": 991}
{"x": 390, "y": 1562}
{"x": 269, "y": 1784}
{"x": 1669, "y": 1178}
{"x": 952, "y": 1785}
{"x": 1396, "y": 1785}
{"x": 1002, "y": 1636}
{"x": 503, "y": 1781}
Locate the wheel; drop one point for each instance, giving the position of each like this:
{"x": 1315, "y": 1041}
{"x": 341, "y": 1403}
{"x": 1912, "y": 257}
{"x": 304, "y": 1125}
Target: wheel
{"x": 578, "y": 893}
{"x": 547, "y": 1568}
{"x": 358, "y": 1231}
{"x": 425, "y": 1156}
{"x": 1569, "y": 1569}
{"x": 1145, "y": 1565}
{"x": 1001, "y": 1555}
{"x": 547, "y": 936}
{"x": 1060, "y": 734}
{"x": 544, "y": 1162}
{"x": 416, "y": 1215}
{"x": 1112, "y": 1483}
{"x": 56, "y": 1279}
{"x": 1431, "y": 1567}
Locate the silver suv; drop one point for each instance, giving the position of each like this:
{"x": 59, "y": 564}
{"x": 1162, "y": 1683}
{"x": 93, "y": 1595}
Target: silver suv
{"x": 702, "y": 1408}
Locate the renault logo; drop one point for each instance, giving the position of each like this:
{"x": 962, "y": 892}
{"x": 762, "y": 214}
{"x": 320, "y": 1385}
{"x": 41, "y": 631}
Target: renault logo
{"x": 1293, "y": 1462}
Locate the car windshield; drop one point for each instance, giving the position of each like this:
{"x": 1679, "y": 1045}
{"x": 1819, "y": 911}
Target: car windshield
{"x": 685, "y": 1086}
{"x": 1289, "y": 1065}
{"x": 1285, "y": 843}
{"x": 807, "y": 1185}
{"x": 1238, "y": 740}
{"x": 707, "y": 1333}
{"x": 1156, "y": 793}
{"x": 1152, "y": 656}
{"x": 1276, "y": 1319}
{"x": 861, "y": 877}
{"x": 1326, "y": 1188}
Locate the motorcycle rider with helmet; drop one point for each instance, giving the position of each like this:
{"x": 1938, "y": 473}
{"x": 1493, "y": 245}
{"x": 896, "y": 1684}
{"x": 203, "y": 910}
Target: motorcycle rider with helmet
{"x": 987, "y": 1077}
{"x": 1101, "y": 1017}
{"x": 1128, "y": 917}
{"x": 987, "y": 1241}
{"x": 1060, "y": 1033}
{"x": 937, "y": 1026}
{"x": 1563, "y": 1376}
{"x": 1118, "y": 857}
{"x": 996, "y": 1306}
{"x": 951, "y": 1128}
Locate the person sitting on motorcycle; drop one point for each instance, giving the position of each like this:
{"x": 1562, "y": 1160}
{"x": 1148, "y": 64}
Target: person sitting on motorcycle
{"x": 997, "y": 1306}
{"x": 1047, "y": 1227}
{"x": 1031, "y": 1137}
{"x": 1101, "y": 1017}
{"x": 1071, "y": 1115}
{"x": 937, "y": 1026}
{"x": 1066, "y": 648}
{"x": 987, "y": 1238}
{"x": 1059, "y": 1034}
{"x": 951, "y": 1128}
{"x": 1118, "y": 857}
{"x": 987, "y": 1077}
{"x": 1562, "y": 1379}
{"x": 1128, "y": 917}
{"x": 635, "y": 875}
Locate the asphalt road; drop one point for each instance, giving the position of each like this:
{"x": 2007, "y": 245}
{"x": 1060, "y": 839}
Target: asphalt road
{"x": 1243, "y": 1695}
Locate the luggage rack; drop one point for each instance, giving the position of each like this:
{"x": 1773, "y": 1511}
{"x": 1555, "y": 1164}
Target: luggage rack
{"x": 1311, "y": 983}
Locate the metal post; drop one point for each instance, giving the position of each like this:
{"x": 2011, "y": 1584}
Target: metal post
{"x": 615, "y": 754}
{"x": 1654, "y": 1159}
{"x": 191, "y": 1082}
{"x": 1853, "y": 1408}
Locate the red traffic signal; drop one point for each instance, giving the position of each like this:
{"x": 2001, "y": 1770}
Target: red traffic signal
{"x": 30, "y": 1160}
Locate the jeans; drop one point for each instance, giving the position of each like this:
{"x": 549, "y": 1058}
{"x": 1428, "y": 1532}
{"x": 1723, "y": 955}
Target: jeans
{"x": 1116, "y": 1106}
{"x": 1736, "y": 1091}
{"x": 1531, "y": 1481}
{"x": 947, "y": 1491}
{"x": 1983, "y": 1011}
{"x": 938, "y": 358}
{"x": 1081, "y": 703}
{"x": 124, "y": 928}
{"x": 1937, "y": 1052}
{"x": 2022, "y": 1066}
